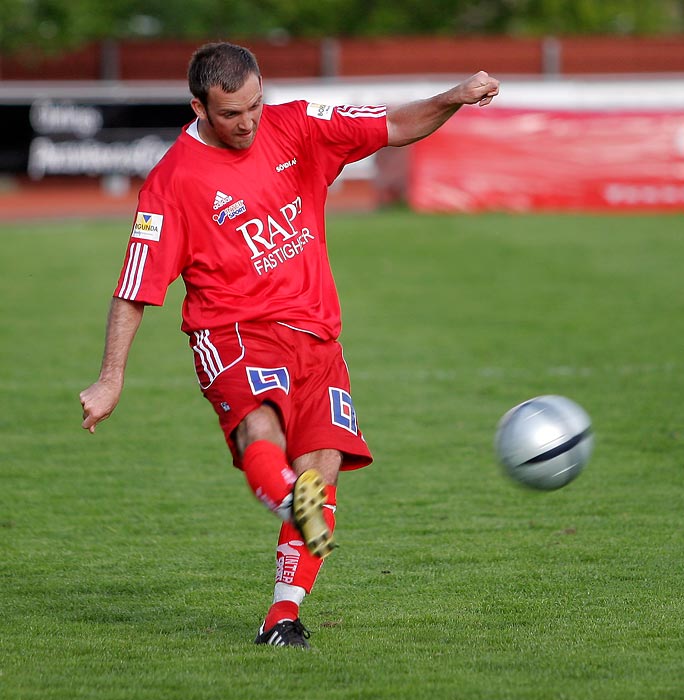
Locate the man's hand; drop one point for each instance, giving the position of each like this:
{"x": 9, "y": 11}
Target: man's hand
{"x": 101, "y": 398}
{"x": 479, "y": 89}
{"x": 99, "y": 401}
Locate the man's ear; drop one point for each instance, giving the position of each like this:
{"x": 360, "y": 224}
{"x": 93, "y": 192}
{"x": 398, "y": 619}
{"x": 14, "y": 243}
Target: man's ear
{"x": 198, "y": 108}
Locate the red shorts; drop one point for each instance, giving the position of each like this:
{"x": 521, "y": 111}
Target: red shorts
{"x": 305, "y": 378}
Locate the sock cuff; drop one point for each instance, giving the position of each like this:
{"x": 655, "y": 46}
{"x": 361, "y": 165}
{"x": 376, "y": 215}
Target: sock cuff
{"x": 331, "y": 495}
{"x": 282, "y": 610}
{"x": 264, "y": 447}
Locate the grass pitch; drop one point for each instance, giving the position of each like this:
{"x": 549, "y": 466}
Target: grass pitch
{"x": 136, "y": 565}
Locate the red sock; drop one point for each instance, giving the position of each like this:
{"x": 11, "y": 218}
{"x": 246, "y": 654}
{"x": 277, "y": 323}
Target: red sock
{"x": 269, "y": 476}
{"x": 282, "y": 610}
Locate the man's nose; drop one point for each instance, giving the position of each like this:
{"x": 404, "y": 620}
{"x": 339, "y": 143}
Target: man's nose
{"x": 245, "y": 122}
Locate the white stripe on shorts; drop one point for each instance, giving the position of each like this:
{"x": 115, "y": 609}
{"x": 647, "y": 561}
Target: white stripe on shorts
{"x": 209, "y": 355}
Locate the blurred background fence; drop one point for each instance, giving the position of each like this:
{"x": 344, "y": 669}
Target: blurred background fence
{"x": 138, "y": 59}
{"x": 582, "y": 123}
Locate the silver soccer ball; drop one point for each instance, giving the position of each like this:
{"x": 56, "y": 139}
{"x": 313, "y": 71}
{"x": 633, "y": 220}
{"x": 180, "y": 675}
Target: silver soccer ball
{"x": 544, "y": 443}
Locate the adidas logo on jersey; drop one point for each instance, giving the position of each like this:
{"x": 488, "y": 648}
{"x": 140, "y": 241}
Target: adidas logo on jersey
{"x": 221, "y": 199}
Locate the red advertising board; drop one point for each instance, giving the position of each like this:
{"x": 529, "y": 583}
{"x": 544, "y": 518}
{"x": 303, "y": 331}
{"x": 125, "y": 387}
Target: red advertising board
{"x": 533, "y": 160}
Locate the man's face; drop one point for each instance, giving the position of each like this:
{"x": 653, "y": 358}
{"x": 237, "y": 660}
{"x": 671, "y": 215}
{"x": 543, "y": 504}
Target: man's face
{"x": 231, "y": 119}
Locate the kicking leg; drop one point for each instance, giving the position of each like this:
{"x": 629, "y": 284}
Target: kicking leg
{"x": 296, "y": 565}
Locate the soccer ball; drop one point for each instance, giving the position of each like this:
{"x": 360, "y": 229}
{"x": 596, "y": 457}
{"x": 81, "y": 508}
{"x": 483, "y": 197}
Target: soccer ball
{"x": 544, "y": 443}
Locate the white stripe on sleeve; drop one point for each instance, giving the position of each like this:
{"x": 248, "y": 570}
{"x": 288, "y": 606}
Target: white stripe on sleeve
{"x": 135, "y": 267}
{"x": 366, "y": 111}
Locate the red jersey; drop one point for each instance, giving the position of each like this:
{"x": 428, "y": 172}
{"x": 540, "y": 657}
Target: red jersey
{"x": 245, "y": 228}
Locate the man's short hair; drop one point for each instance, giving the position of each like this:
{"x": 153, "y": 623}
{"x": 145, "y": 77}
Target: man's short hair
{"x": 223, "y": 64}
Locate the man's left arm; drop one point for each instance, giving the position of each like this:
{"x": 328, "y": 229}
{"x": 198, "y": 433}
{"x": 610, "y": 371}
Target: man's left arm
{"x": 416, "y": 120}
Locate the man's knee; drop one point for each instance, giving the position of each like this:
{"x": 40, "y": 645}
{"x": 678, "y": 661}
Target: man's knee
{"x": 262, "y": 423}
{"x": 326, "y": 462}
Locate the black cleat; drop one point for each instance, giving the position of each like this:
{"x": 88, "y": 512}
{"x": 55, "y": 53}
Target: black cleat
{"x": 288, "y": 633}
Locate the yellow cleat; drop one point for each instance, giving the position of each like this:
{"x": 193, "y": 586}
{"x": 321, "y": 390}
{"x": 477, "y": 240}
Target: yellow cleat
{"x": 307, "y": 511}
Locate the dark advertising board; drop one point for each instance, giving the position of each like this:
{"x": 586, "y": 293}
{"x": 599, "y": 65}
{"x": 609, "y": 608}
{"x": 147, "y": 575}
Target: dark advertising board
{"x": 96, "y": 136}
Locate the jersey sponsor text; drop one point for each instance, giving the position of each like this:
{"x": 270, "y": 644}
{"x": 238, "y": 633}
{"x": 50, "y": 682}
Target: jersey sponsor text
{"x": 276, "y": 239}
{"x": 147, "y": 226}
{"x": 319, "y": 111}
{"x": 231, "y": 212}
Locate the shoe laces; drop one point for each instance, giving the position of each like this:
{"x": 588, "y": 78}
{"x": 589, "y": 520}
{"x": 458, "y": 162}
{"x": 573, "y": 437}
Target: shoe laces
{"x": 295, "y": 627}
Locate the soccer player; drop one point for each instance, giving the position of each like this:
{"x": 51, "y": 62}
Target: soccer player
{"x": 236, "y": 208}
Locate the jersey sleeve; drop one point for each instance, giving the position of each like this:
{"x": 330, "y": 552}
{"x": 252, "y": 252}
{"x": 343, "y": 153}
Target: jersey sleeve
{"x": 344, "y": 134}
{"x": 155, "y": 252}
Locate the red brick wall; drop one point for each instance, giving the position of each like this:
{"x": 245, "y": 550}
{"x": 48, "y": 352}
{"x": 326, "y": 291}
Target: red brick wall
{"x": 622, "y": 55}
{"x": 81, "y": 64}
{"x": 167, "y": 60}
{"x": 422, "y": 55}
{"x": 143, "y": 60}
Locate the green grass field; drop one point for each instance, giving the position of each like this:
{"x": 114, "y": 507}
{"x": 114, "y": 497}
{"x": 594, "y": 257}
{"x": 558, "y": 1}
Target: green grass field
{"x": 135, "y": 564}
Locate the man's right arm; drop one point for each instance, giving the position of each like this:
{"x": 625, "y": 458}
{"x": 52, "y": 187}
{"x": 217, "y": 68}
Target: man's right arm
{"x": 413, "y": 121}
{"x": 101, "y": 398}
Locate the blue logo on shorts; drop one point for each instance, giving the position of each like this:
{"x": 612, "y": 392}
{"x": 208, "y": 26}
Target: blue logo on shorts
{"x": 263, "y": 379}
{"x": 342, "y": 410}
